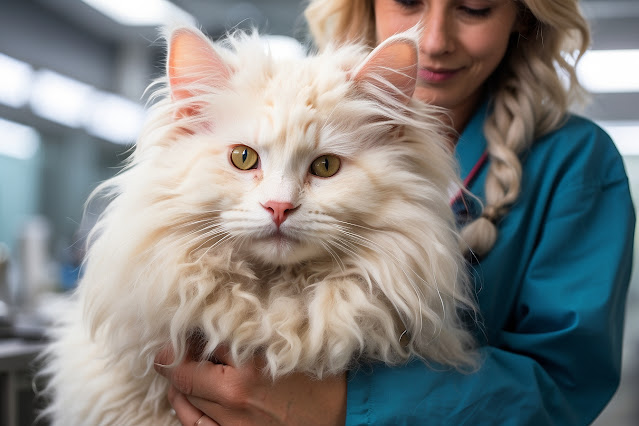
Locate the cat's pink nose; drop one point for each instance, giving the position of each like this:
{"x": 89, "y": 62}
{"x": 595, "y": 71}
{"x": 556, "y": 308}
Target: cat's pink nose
{"x": 278, "y": 210}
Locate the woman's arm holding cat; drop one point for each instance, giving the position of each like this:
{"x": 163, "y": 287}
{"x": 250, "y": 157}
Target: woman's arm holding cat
{"x": 244, "y": 395}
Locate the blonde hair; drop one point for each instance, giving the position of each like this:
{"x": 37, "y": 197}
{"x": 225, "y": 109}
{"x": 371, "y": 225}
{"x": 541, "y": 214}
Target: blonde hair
{"x": 530, "y": 91}
{"x": 341, "y": 21}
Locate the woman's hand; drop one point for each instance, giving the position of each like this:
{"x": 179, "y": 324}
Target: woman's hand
{"x": 204, "y": 394}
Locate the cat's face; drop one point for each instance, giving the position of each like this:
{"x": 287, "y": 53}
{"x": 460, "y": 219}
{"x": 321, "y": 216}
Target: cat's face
{"x": 281, "y": 179}
{"x": 286, "y": 162}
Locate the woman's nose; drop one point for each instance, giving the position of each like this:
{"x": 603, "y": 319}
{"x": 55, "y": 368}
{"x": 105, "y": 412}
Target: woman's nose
{"x": 438, "y": 33}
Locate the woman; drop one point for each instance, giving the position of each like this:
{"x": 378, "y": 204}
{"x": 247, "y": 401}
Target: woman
{"x": 551, "y": 248}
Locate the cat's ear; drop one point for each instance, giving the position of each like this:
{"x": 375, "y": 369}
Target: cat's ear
{"x": 394, "y": 61}
{"x": 193, "y": 65}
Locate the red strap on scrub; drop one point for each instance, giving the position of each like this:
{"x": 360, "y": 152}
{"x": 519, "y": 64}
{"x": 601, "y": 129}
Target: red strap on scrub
{"x": 471, "y": 176}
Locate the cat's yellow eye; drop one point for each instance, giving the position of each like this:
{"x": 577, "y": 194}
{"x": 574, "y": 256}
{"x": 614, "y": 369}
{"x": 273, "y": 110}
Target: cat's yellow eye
{"x": 325, "y": 166}
{"x": 244, "y": 157}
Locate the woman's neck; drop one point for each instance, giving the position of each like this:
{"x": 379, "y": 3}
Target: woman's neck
{"x": 459, "y": 116}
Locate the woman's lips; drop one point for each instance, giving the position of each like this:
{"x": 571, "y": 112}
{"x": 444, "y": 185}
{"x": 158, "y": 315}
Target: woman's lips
{"x": 436, "y": 75}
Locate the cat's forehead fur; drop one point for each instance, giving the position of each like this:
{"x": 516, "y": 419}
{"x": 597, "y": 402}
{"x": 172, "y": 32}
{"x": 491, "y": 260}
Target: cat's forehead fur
{"x": 292, "y": 98}
{"x": 323, "y": 74}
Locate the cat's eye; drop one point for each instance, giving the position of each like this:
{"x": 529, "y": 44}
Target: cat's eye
{"x": 244, "y": 157}
{"x": 325, "y": 166}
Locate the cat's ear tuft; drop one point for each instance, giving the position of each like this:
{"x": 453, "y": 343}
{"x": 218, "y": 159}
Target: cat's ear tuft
{"x": 193, "y": 66}
{"x": 394, "y": 61}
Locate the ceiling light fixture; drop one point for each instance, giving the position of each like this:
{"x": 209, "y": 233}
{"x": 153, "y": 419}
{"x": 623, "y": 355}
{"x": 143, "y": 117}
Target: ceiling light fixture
{"x": 15, "y": 84}
{"x": 18, "y": 141}
{"x": 65, "y": 101}
{"x": 114, "y": 118}
{"x": 140, "y": 12}
{"x": 609, "y": 71}
{"x": 59, "y": 98}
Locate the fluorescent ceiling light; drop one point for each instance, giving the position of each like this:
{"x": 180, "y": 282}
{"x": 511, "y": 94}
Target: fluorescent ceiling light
{"x": 610, "y": 71}
{"x": 66, "y": 101}
{"x": 15, "y": 84}
{"x": 74, "y": 104}
{"x": 59, "y": 98}
{"x": 140, "y": 12}
{"x": 18, "y": 141}
{"x": 625, "y": 134}
{"x": 114, "y": 118}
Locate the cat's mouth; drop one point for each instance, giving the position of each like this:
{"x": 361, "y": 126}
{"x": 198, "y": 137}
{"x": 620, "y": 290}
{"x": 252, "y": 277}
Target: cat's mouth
{"x": 280, "y": 238}
{"x": 279, "y": 247}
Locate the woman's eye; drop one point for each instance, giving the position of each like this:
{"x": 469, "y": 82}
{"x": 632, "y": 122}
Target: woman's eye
{"x": 325, "y": 166}
{"x": 476, "y": 13}
{"x": 407, "y": 3}
{"x": 244, "y": 157}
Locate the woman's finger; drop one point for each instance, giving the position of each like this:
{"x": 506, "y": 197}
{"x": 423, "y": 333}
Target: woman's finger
{"x": 163, "y": 358}
{"x": 192, "y": 377}
{"x": 222, "y": 355}
{"x": 187, "y": 413}
{"x": 214, "y": 411}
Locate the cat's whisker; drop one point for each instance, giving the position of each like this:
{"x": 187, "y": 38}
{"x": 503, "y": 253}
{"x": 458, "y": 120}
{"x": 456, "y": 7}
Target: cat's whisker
{"x": 212, "y": 225}
{"x": 351, "y": 247}
{"x": 353, "y": 225}
{"x": 346, "y": 247}
{"x": 365, "y": 242}
{"x": 160, "y": 255}
{"x": 401, "y": 265}
{"x": 196, "y": 222}
{"x": 200, "y": 225}
{"x": 370, "y": 244}
{"x": 218, "y": 242}
{"x": 208, "y": 224}
{"x": 208, "y": 237}
{"x": 333, "y": 255}
{"x": 197, "y": 237}
{"x": 190, "y": 238}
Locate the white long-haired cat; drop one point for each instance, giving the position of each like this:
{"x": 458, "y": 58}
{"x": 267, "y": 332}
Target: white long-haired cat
{"x": 295, "y": 209}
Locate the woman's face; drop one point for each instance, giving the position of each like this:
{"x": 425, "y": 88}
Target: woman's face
{"x": 462, "y": 43}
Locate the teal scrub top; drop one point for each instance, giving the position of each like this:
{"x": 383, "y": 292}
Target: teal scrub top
{"x": 551, "y": 293}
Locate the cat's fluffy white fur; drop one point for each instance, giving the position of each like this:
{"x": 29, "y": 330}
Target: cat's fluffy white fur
{"x": 367, "y": 267}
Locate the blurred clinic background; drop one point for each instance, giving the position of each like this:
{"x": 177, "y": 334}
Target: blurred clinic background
{"x": 72, "y": 81}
